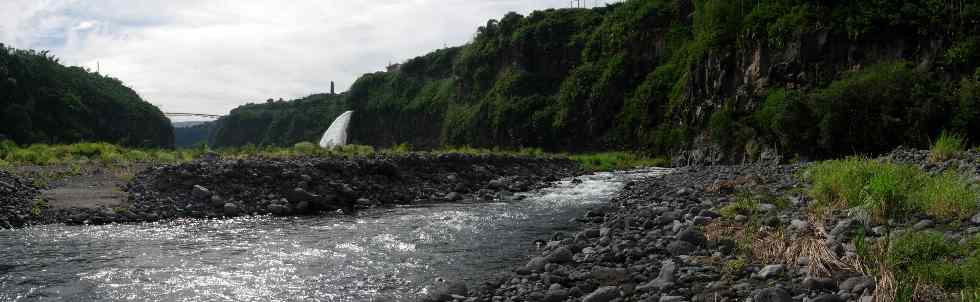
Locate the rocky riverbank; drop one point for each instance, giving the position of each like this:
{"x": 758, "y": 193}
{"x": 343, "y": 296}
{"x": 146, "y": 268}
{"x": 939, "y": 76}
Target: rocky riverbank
{"x": 720, "y": 233}
{"x": 17, "y": 197}
{"x": 216, "y": 187}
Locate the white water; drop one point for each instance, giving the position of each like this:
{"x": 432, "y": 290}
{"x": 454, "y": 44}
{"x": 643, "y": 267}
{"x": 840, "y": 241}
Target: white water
{"x": 336, "y": 134}
{"x": 389, "y": 254}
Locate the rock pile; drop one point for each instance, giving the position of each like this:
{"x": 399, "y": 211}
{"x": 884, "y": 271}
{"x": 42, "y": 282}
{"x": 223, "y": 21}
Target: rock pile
{"x": 300, "y": 186}
{"x": 16, "y": 200}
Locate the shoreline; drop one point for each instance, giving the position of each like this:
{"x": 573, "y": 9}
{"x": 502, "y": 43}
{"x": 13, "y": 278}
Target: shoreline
{"x": 677, "y": 238}
{"x": 215, "y": 187}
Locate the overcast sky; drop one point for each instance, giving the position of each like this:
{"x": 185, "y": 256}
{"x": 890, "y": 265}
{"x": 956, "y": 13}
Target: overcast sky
{"x": 209, "y": 56}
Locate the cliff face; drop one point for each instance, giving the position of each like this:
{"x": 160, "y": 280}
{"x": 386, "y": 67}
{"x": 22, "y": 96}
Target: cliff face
{"x": 42, "y": 101}
{"x": 701, "y": 80}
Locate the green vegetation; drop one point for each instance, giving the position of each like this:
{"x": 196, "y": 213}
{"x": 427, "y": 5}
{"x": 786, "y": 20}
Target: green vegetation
{"x": 656, "y": 76}
{"x": 42, "y": 101}
{"x": 891, "y": 191}
{"x": 273, "y": 123}
{"x": 609, "y": 161}
{"x": 927, "y": 258}
{"x": 744, "y": 204}
{"x": 947, "y": 146}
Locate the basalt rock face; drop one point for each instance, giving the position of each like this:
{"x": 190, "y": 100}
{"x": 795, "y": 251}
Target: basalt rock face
{"x": 16, "y": 200}
{"x": 211, "y": 188}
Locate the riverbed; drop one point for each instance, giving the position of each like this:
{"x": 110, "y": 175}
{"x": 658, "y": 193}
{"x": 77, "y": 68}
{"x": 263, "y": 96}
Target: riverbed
{"x": 375, "y": 255}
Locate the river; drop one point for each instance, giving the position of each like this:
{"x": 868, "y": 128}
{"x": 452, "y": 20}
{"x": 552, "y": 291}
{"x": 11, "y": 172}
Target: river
{"x": 390, "y": 254}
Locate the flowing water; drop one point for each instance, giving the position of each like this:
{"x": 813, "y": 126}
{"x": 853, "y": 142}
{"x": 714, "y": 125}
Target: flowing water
{"x": 385, "y": 254}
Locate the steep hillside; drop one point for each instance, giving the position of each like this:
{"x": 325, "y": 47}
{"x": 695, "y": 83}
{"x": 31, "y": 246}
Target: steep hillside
{"x": 277, "y": 123}
{"x": 696, "y": 79}
{"x": 42, "y": 101}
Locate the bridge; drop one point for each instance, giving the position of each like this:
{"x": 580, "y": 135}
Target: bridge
{"x": 185, "y": 114}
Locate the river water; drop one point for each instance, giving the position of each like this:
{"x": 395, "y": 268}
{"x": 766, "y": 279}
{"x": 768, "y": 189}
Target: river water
{"x": 389, "y": 254}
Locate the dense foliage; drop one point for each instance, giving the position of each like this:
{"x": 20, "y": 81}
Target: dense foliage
{"x": 277, "y": 123}
{"x": 815, "y": 78}
{"x": 42, "y": 101}
{"x": 192, "y": 136}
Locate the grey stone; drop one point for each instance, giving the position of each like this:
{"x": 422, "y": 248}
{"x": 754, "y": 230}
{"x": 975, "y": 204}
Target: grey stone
{"x": 536, "y": 264}
{"x": 560, "y": 255}
{"x": 664, "y": 280}
{"x": 217, "y": 201}
{"x": 602, "y": 294}
{"x": 692, "y": 236}
{"x": 859, "y": 288}
{"x": 766, "y": 207}
{"x": 741, "y": 218}
{"x": 453, "y": 196}
{"x": 678, "y": 248}
{"x": 277, "y": 209}
{"x": 819, "y": 284}
{"x": 975, "y": 219}
{"x": 446, "y": 291}
{"x": 200, "y": 192}
{"x": 828, "y": 298}
{"x": 800, "y": 224}
{"x": 772, "y": 270}
{"x": 851, "y": 282}
{"x": 671, "y": 298}
{"x": 772, "y": 295}
{"x": 231, "y": 209}
{"x": 844, "y": 228}
{"x": 922, "y": 225}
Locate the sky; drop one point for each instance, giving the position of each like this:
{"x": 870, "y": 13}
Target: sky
{"x": 210, "y": 56}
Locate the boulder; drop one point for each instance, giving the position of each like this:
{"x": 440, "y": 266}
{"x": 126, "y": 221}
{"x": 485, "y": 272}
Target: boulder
{"x": 665, "y": 278}
{"x": 692, "y": 236}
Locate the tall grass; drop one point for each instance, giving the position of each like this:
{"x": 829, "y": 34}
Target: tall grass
{"x": 947, "y": 146}
{"x": 609, "y": 161}
{"x": 890, "y": 191}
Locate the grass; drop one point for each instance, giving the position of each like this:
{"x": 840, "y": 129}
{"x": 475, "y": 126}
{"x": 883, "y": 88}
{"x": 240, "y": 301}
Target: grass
{"x": 38, "y": 207}
{"x": 608, "y": 161}
{"x": 889, "y": 190}
{"x": 120, "y": 158}
{"x": 744, "y": 204}
{"x": 926, "y": 265}
{"x": 947, "y": 146}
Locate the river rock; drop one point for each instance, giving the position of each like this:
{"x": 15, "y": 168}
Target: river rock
{"x": 692, "y": 236}
{"x": 828, "y": 298}
{"x": 770, "y": 271}
{"x": 602, "y": 294}
{"x": 819, "y": 284}
{"x": 772, "y": 295}
{"x": 445, "y": 291}
{"x": 217, "y": 201}
{"x": 231, "y": 209}
{"x": 849, "y": 283}
{"x": 277, "y": 209}
{"x": 665, "y": 278}
{"x": 560, "y": 255}
{"x": 199, "y": 192}
{"x": 678, "y": 248}
{"x": 975, "y": 219}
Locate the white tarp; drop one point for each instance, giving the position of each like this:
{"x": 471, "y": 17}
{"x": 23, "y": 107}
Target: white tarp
{"x": 336, "y": 135}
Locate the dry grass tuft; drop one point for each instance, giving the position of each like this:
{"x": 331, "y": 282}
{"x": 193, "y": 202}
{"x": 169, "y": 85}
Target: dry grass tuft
{"x": 886, "y": 289}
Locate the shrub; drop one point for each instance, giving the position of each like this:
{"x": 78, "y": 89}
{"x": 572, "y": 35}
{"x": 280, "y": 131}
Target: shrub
{"x": 744, "y": 204}
{"x": 947, "y": 146}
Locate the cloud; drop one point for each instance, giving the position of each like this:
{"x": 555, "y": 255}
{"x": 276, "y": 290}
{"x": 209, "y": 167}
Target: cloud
{"x": 211, "y": 56}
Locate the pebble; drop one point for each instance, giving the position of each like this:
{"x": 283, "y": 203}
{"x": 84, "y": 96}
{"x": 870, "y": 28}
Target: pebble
{"x": 602, "y": 294}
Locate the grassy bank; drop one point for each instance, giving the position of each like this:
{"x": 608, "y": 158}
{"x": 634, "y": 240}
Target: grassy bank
{"x": 113, "y": 155}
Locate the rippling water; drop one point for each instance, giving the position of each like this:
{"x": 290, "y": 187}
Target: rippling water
{"x": 384, "y": 254}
